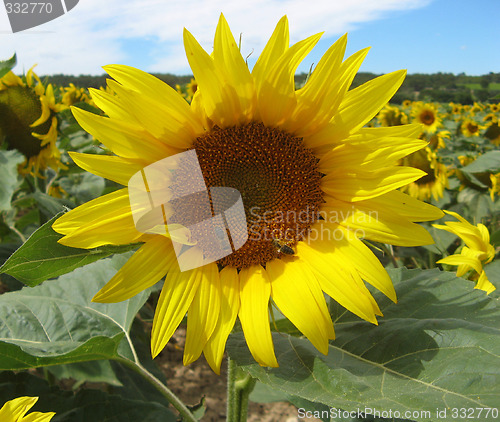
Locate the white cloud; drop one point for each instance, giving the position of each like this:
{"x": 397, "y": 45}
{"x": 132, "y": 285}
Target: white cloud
{"x": 96, "y": 32}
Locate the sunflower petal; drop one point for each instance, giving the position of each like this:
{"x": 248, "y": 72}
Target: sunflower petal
{"x": 112, "y": 167}
{"x": 143, "y": 269}
{"x": 176, "y": 297}
{"x": 203, "y": 313}
{"x": 102, "y": 221}
{"x": 484, "y": 284}
{"x": 299, "y": 297}
{"x": 372, "y": 155}
{"x": 315, "y": 101}
{"x": 459, "y": 259}
{"x": 348, "y": 184}
{"x": 103, "y": 207}
{"x": 335, "y": 281}
{"x": 365, "y": 262}
{"x": 220, "y": 103}
{"x": 275, "y": 47}
{"x": 377, "y": 224}
{"x": 154, "y": 88}
{"x": 403, "y": 205}
{"x": 157, "y": 118}
{"x": 361, "y": 104}
{"x": 255, "y": 290}
{"x": 111, "y": 105}
{"x": 121, "y": 137}
{"x": 228, "y": 59}
{"x": 276, "y": 91}
{"x": 15, "y": 409}
{"x": 229, "y": 307}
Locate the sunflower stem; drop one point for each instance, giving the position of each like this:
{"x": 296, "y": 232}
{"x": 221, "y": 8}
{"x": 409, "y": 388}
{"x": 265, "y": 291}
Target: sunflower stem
{"x": 245, "y": 387}
{"x": 238, "y": 392}
{"x": 390, "y": 251}
{"x": 432, "y": 260}
{"x": 231, "y": 391}
{"x": 185, "y": 413}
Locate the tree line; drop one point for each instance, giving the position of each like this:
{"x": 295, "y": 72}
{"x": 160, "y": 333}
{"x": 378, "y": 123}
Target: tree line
{"x": 441, "y": 87}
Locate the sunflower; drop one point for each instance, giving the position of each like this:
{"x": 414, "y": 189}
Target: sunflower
{"x": 471, "y": 128}
{"x": 72, "y": 95}
{"x": 15, "y": 411}
{"x": 494, "y": 107}
{"x": 191, "y": 88}
{"x": 435, "y": 180}
{"x": 476, "y": 252}
{"x": 426, "y": 114}
{"x": 476, "y": 108}
{"x": 28, "y": 122}
{"x": 438, "y": 140}
{"x": 456, "y": 108}
{"x": 491, "y": 118}
{"x": 312, "y": 179}
{"x": 392, "y": 116}
{"x": 492, "y": 132}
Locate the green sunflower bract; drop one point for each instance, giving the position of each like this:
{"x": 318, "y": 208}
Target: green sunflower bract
{"x": 286, "y": 151}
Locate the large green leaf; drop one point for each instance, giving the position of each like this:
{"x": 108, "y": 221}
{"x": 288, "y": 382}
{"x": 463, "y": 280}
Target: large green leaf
{"x": 437, "y": 348}
{"x": 41, "y": 257}
{"x": 84, "y": 406}
{"x": 7, "y": 65}
{"x": 81, "y": 372}
{"x": 83, "y": 186}
{"x": 488, "y": 162}
{"x": 9, "y": 161}
{"x": 56, "y": 323}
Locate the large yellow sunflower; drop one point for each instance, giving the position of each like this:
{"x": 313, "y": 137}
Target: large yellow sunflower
{"x": 28, "y": 122}
{"x": 313, "y": 182}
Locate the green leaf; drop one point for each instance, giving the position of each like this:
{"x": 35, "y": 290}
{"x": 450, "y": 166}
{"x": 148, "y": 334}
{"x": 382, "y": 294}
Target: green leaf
{"x": 92, "y": 371}
{"x": 9, "y": 161}
{"x": 48, "y": 205}
{"x": 437, "y": 348}
{"x": 492, "y": 271}
{"x": 83, "y": 186}
{"x": 495, "y": 238}
{"x": 489, "y": 162}
{"x": 84, "y": 406}
{"x": 56, "y": 323}
{"x": 7, "y": 65}
{"x": 41, "y": 257}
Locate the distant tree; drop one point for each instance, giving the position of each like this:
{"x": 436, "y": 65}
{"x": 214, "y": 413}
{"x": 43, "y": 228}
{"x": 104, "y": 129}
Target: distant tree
{"x": 482, "y": 95}
{"x": 463, "y": 97}
{"x": 485, "y": 81}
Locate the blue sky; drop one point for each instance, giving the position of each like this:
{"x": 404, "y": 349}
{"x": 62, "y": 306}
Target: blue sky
{"x": 422, "y": 36}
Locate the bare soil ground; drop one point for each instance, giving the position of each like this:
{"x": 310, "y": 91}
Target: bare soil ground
{"x": 197, "y": 380}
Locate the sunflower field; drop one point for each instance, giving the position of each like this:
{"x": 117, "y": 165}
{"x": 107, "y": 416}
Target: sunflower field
{"x": 393, "y": 318}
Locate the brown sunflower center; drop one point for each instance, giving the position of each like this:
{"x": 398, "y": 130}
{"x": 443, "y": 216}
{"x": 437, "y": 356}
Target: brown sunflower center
{"x": 420, "y": 160}
{"x": 278, "y": 180}
{"x": 427, "y": 117}
{"x": 472, "y": 127}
